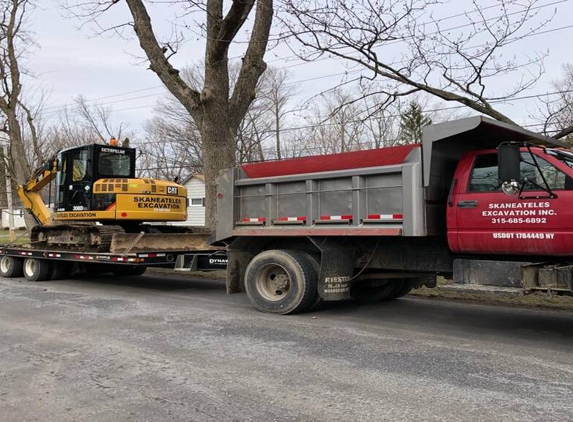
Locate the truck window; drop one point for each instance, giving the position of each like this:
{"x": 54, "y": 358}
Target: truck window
{"x": 484, "y": 177}
{"x": 484, "y": 174}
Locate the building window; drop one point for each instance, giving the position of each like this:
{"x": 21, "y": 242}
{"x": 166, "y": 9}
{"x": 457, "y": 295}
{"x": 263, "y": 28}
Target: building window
{"x": 198, "y": 202}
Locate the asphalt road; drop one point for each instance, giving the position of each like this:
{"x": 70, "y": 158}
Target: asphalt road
{"x": 158, "y": 349}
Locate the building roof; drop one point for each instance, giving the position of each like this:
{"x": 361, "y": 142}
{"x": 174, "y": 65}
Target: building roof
{"x": 200, "y": 177}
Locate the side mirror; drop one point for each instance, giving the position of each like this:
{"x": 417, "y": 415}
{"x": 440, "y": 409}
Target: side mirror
{"x": 508, "y": 159}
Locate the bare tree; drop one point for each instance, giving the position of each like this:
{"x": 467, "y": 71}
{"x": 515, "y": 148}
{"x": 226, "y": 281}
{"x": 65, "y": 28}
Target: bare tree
{"x": 173, "y": 148}
{"x": 17, "y": 117}
{"x": 557, "y": 110}
{"x": 277, "y": 91}
{"x": 81, "y": 124}
{"x": 451, "y": 63}
{"x": 216, "y": 110}
{"x": 335, "y": 124}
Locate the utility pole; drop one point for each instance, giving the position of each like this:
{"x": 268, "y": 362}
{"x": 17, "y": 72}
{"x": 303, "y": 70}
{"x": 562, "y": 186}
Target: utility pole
{"x": 9, "y": 198}
{"x": 10, "y": 207}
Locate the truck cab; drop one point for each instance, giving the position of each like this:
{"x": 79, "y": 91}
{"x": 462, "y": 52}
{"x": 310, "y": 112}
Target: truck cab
{"x": 538, "y": 219}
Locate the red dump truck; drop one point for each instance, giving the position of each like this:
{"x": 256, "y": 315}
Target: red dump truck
{"x": 479, "y": 201}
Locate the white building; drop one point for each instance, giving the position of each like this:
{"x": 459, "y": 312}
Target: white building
{"x": 18, "y": 218}
{"x": 195, "y": 185}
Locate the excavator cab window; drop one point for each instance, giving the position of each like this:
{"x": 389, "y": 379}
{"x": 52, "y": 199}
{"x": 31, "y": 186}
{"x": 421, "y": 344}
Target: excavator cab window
{"x": 114, "y": 165}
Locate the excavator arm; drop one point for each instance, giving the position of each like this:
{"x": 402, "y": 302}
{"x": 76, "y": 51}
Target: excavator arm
{"x": 30, "y": 192}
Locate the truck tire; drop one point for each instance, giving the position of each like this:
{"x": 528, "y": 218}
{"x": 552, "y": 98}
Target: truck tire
{"x": 370, "y": 291}
{"x": 281, "y": 282}
{"x": 11, "y": 267}
{"x": 316, "y": 266}
{"x": 36, "y": 269}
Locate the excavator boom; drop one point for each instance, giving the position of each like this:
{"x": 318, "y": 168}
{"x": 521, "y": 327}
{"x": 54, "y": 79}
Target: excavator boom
{"x": 30, "y": 193}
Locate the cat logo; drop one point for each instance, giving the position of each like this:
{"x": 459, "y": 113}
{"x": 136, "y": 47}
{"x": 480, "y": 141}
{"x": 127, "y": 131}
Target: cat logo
{"x": 172, "y": 190}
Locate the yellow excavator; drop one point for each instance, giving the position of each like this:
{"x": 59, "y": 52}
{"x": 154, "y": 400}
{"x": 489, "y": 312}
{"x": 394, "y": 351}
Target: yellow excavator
{"x": 96, "y": 196}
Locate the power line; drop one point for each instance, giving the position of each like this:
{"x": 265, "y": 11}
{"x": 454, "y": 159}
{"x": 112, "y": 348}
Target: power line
{"x": 62, "y": 107}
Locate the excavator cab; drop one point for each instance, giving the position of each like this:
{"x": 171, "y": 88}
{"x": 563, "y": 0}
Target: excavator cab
{"x": 80, "y": 167}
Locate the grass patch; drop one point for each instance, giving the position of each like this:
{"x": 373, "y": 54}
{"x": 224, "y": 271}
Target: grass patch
{"x": 22, "y": 238}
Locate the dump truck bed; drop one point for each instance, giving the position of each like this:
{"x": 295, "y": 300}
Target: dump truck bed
{"x": 376, "y": 192}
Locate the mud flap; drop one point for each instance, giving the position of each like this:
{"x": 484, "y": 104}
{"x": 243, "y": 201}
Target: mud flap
{"x": 236, "y": 266}
{"x": 336, "y": 270}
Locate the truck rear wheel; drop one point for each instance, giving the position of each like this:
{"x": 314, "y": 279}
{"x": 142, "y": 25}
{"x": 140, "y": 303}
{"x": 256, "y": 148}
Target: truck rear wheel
{"x": 281, "y": 282}
{"x": 36, "y": 269}
{"x": 10, "y": 267}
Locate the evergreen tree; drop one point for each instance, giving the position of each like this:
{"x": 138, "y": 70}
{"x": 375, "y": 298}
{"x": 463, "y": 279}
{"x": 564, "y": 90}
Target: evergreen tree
{"x": 411, "y": 123}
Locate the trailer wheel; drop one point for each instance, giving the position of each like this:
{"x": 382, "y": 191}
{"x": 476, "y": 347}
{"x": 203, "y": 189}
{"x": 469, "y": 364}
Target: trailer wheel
{"x": 281, "y": 282}
{"x": 10, "y": 267}
{"x": 36, "y": 269}
{"x": 370, "y": 291}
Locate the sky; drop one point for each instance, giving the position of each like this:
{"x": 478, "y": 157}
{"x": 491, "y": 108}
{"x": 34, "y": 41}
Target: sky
{"x": 71, "y": 59}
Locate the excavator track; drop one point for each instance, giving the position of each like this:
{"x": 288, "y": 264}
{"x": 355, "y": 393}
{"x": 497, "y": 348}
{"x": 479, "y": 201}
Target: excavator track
{"x": 84, "y": 237}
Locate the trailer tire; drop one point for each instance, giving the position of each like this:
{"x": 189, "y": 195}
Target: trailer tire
{"x": 370, "y": 291}
{"x": 11, "y": 267}
{"x": 281, "y": 282}
{"x": 36, "y": 269}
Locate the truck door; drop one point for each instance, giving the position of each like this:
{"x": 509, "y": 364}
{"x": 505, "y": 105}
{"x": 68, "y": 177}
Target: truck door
{"x": 489, "y": 221}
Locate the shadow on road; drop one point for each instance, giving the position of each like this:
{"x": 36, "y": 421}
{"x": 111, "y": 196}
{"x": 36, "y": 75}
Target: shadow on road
{"x": 154, "y": 282}
{"x": 431, "y": 315}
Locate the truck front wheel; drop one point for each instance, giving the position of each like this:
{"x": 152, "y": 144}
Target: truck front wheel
{"x": 10, "y": 266}
{"x": 36, "y": 269}
{"x": 281, "y": 282}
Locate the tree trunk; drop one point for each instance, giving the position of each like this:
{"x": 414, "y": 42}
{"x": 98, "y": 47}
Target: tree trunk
{"x": 20, "y": 168}
{"x": 218, "y": 153}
